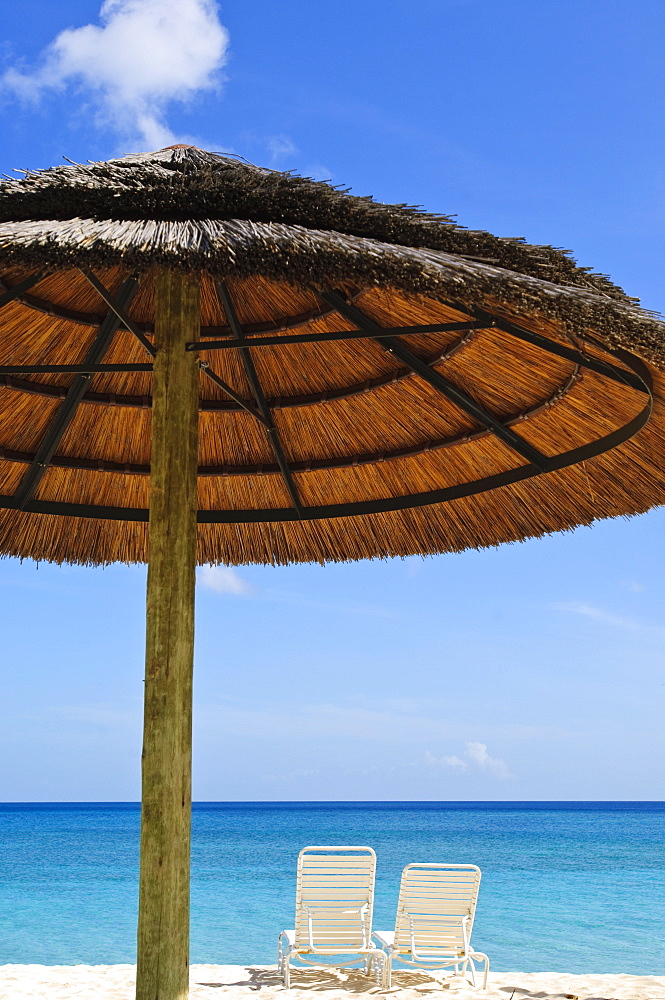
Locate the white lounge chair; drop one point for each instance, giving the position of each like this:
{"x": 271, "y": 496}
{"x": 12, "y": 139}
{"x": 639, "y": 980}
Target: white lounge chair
{"x": 334, "y": 901}
{"x": 435, "y": 912}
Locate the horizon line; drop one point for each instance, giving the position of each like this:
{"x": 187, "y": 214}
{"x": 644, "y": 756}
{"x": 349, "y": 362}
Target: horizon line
{"x": 305, "y": 802}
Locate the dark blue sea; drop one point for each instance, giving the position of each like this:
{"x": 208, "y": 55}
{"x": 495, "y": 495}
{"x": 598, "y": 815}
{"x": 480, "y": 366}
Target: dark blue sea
{"x": 567, "y": 886}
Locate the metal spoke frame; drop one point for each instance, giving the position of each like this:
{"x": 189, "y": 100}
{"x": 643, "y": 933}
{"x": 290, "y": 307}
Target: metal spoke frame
{"x": 235, "y": 396}
{"x": 333, "y": 335}
{"x": 357, "y": 508}
{"x": 634, "y": 376}
{"x": 66, "y": 412}
{"x": 452, "y": 392}
{"x": 94, "y": 319}
{"x": 553, "y": 347}
{"x": 15, "y": 291}
{"x": 259, "y": 396}
{"x": 120, "y": 313}
{"x": 129, "y": 324}
{"x": 80, "y": 369}
{"x": 309, "y": 465}
{"x": 479, "y": 319}
{"x": 279, "y": 402}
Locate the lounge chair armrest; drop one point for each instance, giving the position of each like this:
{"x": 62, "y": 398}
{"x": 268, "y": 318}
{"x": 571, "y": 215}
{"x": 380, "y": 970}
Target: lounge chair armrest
{"x": 288, "y": 938}
{"x": 465, "y": 932}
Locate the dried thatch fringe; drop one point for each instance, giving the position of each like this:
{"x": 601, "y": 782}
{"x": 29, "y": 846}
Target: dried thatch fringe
{"x": 187, "y": 183}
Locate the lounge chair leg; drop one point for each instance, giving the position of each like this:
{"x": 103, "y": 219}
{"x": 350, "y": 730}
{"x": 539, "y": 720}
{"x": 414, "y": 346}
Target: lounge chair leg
{"x": 387, "y": 971}
{"x": 479, "y": 956}
{"x": 286, "y": 973}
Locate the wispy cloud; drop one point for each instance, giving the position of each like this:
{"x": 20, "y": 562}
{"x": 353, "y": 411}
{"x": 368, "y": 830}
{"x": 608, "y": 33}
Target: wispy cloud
{"x": 413, "y": 565}
{"x": 225, "y": 580}
{"x": 105, "y": 715}
{"x": 633, "y": 586}
{"x": 288, "y": 777}
{"x": 280, "y": 147}
{"x": 143, "y": 56}
{"x": 334, "y": 607}
{"x": 597, "y": 614}
{"x": 318, "y": 172}
{"x": 411, "y": 726}
{"x": 319, "y": 721}
{"x": 475, "y": 755}
{"x": 446, "y": 761}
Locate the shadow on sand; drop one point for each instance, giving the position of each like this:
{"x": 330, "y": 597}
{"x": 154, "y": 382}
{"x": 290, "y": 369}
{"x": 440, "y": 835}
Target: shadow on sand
{"x": 355, "y": 981}
{"x": 348, "y": 980}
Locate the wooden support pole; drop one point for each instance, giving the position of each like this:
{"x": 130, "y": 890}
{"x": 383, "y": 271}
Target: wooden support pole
{"x": 163, "y": 929}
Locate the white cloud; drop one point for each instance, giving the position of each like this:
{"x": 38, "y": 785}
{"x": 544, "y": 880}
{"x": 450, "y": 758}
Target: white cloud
{"x": 143, "y": 56}
{"x": 634, "y": 586}
{"x": 475, "y": 754}
{"x": 224, "y": 580}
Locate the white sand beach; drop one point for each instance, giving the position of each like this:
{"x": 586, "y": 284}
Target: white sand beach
{"x": 236, "y": 982}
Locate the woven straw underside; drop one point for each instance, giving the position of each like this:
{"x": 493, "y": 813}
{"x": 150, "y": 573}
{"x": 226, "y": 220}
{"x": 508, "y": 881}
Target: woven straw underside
{"x": 554, "y": 406}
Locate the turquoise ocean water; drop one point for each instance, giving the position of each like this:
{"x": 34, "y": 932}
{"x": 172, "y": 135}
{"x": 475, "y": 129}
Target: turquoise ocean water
{"x": 571, "y": 887}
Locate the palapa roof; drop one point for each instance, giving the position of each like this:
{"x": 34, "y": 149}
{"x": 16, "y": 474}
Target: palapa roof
{"x": 535, "y": 405}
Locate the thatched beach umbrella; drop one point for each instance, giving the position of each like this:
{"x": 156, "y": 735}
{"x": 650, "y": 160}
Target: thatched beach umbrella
{"x": 309, "y": 376}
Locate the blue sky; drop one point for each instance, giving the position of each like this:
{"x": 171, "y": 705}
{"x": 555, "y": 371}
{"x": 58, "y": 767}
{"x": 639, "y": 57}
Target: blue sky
{"x": 533, "y": 671}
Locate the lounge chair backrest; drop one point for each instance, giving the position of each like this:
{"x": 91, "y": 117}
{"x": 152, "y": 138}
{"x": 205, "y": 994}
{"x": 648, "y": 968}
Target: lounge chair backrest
{"x": 334, "y": 898}
{"x": 436, "y": 907}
